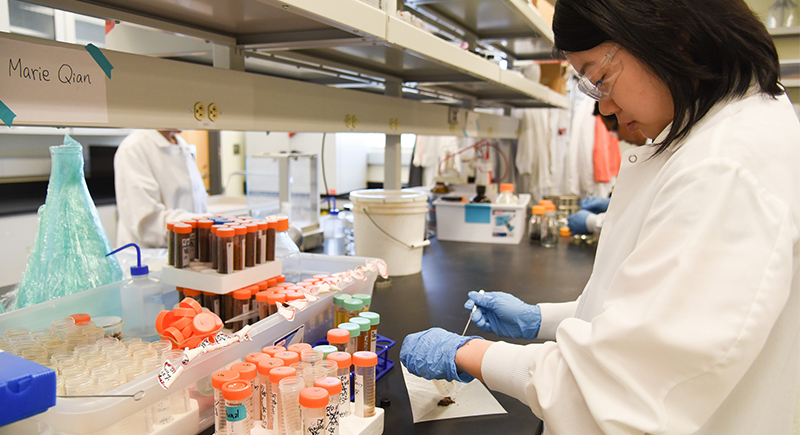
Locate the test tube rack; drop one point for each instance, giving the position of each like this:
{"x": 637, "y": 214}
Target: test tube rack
{"x": 384, "y": 363}
{"x": 200, "y": 276}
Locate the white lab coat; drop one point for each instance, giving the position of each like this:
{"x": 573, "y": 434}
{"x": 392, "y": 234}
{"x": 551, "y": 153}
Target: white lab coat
{"x": 579, "y": 169}
{"x": 541, "y": 150}
{"x": 156, "y": 182}
{"x": 690, "y": 321}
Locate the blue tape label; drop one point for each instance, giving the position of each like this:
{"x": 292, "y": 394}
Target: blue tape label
{"x": 235, "y": 413}
{"x": 477, "y": 213}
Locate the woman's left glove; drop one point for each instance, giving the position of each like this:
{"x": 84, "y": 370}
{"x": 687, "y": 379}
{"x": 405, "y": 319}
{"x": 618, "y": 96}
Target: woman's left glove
{"x": 431, "y": 354}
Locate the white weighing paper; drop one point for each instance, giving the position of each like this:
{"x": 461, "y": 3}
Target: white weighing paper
{"x": 42, "y": 83}
{"x": 470, "y": 400}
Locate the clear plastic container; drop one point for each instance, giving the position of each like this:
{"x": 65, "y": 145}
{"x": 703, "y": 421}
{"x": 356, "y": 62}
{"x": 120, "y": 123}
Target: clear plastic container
{"x": 272, "y": 227}
{"x": 274, "y": 299}
{"x": 248, "y": 372}
{"x": 162, "y": 409}
{"x": 333, "y": 386}
{"x": 353, "y": 307}
{"x": 331, "y": 367}
{"x": 535, "y": 224}
{"x": 237, "y": 395}
{"x": 339, "y": 313}
{"x": 312, "y": 373}
{"x": 344, "y": 360}
{"x": 255, "y": 358}
{"x": 354, "y": 331}
{"x": 72, "y": 384}
{"x": 375, "y": 320}
{"x": 299, "y": 367}
{"x": 61, "y": 326}
{"x": 276, "y": 375}
{"x": 364, "y": 380}
{"x": 262, "y": 304}
{"x": 265, "y": 365}
{"x": 192, "y": 238}
{"x": 218, "y": 379}
{"x": 310, "y": 355}
{"x": 239, "y": 246}
{"x": 507, "y": 195}
{"x": 363, "y": 337}
{"x": 290, "y": 389}
{"x": 241, "y": 305}
{"x": 250, "y": 244}
{"x": 225, "y": 250}
{"x": 212, "y": 245}
{"x": 313, "y": 401}
{"x": 333, "y": 233}
{"x": 213, "y": 301}
{"x": 141, "y": 300}
{"x": 549, "y": 227}
{"x": 204, "y": 240}
{"x": 326, "y": 349}
{"x": 339, "y": 338}
{"x": 287, "y": 251}
{"x": 349, "y": 229}
{"x": 182, "y": 244}
{"x": 179, "y": 400}
{"x": 261, "y": 242}
{"x": 170, "y": 244}
{"x": 365, "y": 299}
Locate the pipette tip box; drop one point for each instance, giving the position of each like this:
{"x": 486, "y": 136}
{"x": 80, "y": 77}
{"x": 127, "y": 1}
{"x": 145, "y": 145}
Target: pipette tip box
{"x": 27, "y": 387}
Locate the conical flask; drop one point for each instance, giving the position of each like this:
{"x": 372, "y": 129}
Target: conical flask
{"x": 69, "y": 253}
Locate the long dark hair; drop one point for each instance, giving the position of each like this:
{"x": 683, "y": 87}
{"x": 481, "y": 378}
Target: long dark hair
{"x": 704, "y": 51}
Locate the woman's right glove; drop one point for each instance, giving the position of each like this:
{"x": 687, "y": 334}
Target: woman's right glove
{"x": 577, "y": 221}
{"x": 504, "y": 315}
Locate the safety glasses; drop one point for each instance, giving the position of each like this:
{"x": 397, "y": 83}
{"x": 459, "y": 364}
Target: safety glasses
{"x": 597, "y": 82}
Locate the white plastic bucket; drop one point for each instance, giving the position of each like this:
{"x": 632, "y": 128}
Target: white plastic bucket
{"x": 390, "y": 224}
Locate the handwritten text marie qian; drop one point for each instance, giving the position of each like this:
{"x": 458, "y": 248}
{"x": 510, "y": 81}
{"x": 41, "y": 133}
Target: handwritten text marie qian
{"x": 64, "y": 74}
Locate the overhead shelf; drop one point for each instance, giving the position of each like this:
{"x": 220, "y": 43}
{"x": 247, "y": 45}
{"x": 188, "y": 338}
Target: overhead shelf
{"x": 148, "y": 92}
{"x": 348, "y": 44}
{"x": 512, "y": 26}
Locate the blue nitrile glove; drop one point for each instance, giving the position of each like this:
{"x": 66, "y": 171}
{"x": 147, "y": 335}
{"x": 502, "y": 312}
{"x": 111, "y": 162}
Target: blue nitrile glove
{"x": 431, "y": 354}
{"x": 595, "y": 204}
{"x": 504, "y": 315}
{"x": 577, "y": 221}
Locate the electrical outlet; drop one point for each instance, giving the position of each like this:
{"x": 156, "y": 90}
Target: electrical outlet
{"x": 452, "y": 118}
{"x": 213, "y": 112}
{"x": 199, "y": 111}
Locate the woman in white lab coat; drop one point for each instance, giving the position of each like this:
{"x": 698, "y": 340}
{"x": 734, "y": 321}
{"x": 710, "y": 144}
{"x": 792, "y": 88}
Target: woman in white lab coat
{"x": 156, "y": 181}
{"x": 690, "y": 321}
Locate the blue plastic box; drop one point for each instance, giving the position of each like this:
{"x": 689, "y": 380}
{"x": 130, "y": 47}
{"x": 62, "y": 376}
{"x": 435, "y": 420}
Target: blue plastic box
{"x": 26, "y": 388}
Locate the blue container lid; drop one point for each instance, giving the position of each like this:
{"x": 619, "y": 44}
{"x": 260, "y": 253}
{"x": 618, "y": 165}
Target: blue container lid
{"x": 29, "y": 386}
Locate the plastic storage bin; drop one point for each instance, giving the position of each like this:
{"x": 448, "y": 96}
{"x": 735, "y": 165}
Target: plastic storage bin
{"x": 87, "y": 416}
{"x": 481, "y": 223}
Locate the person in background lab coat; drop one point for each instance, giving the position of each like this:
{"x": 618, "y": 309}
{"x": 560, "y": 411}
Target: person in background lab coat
{"x": 690, "y": 321}
{"x": 156, "y": 181}
{"x": 590, "y": 218}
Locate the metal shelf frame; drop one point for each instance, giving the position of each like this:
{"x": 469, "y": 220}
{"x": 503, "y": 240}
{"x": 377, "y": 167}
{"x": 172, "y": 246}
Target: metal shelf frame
{"x": 344, "y": 32}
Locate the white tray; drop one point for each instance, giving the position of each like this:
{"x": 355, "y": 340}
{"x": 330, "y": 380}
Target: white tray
{"x": 211, "y": 281}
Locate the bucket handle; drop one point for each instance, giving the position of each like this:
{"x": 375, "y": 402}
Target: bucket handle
{"x": 421, "y": 244}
